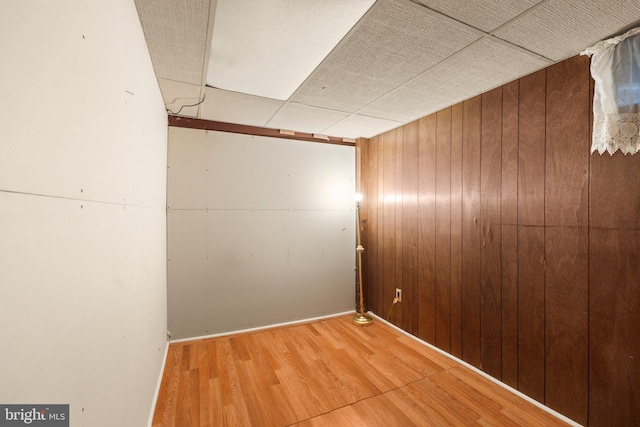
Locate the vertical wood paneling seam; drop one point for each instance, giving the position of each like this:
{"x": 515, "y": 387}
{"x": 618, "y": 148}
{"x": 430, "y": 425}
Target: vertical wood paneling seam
{"x": 544, "y": 245}
{"x": 417, "y": 305}
{"x": 518, "y": 246}
{"x": 462, "y": 175}
{"x": 490, "y": 127}
{"x": 435, "y": 233}
{"x": 590, "y": 127}
{"x": 402, "y": 225}
{"x": 399, "y": 237}
{"x": 501, "y": 236}
{"x": 393, "y": 214}
{"x": 401, "y": 284}
{"x": 377, "y": 196}
{"x": 461, "y": 227}
{"x": 381, "y": 279}
{"x": 380, "y": 221}
{"x": 481, "y": 230}
{"x": 367, "y": 228}
{"x": 396, "y": 222}
{"x": 355, "y": 258}
{"x": 450, "y": 204}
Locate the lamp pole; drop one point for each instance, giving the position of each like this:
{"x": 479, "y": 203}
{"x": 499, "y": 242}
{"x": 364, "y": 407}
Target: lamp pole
{"x": 361, "y": 318}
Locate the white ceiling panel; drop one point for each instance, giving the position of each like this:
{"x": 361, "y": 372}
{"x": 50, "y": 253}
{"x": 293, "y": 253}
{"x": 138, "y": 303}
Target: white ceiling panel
{"x": 561, "y": 28}
{"x": 395, "y": 41}
{"x": 480, "y": 67}
{"x": 356, "y": 126}
{"x": 405, "y": 105}
{"x": 177, "y": 95}
{"x": 486, "y": 15}
{"x": 303, "y": 118}
{"x": 253, "y": 39}
{"x": 176, "y": 34}
{"x": 403, "y": 59}
{"x": 233, "y": 107}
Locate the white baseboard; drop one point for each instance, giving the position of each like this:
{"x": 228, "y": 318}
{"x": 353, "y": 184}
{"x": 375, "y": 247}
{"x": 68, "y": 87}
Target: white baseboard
{"x": 260, "y": 328}
{"x": 484, "y": 374}
{"x": 157, "y": 392}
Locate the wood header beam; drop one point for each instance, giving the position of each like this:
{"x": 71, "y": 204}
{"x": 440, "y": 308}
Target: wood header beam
{"x": 192, "y": 123}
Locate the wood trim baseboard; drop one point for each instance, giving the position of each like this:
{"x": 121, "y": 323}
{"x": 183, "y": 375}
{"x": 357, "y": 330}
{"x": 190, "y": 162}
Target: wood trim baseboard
{"x": 260, "y": 328}
{"x": 154, "y": 401}
{"x": 193, "y": 123}
{"x": 479, "y": 372}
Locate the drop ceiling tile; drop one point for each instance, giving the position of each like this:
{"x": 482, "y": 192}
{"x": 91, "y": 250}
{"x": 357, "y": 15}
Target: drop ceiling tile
{"x": 486, "y": 15}
{"x": 395, "y": 41}
{"x": 232, "y": 107}
{"x": 177, "y": 95}
{"x": 268, "y": 48}
{"x": 176, "y": 34}
{"x": 356, "y": 126}
{"x": 562, "y": 28}
{"x": 480, "y": 67}
{"x": 405, "y": 105}
{"x": 303, "y": 118}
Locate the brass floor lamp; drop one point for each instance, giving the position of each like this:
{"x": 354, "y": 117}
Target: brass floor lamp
{"x": 361, "y": 318}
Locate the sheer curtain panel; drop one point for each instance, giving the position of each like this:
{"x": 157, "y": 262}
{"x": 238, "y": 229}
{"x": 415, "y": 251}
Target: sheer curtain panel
{"x": 615, "y": 67}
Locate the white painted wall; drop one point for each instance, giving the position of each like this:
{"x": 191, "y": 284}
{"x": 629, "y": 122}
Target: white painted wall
{"x": 260, "y": 231}
{"x": 82, "y": 211}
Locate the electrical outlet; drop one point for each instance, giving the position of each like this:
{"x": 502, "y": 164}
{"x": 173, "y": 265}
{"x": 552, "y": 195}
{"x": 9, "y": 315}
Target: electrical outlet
{"x": 399, "y": 294}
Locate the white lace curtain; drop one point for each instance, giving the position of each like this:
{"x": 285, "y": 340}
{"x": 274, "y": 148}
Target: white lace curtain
{"x": 615, "y": 67}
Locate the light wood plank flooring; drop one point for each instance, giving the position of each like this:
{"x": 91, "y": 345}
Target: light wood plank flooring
{"x": 329, "y": 373}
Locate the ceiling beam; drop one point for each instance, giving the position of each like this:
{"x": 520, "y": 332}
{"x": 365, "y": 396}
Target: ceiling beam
{"x": 191, "y": 123}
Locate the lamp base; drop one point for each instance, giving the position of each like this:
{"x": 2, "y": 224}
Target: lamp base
{"x": 362, "y": 320}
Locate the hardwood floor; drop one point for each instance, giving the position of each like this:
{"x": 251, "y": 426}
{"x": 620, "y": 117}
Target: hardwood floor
{"x": 329, "y": 373}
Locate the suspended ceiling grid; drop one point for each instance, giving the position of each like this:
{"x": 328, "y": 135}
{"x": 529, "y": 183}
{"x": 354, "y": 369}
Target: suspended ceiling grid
{"x": 402, "y": 60}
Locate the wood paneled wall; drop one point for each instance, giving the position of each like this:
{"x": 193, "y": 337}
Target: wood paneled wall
{"x": 515, "y": 249}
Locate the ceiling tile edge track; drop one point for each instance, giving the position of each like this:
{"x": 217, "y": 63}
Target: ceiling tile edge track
{"x": 479, "y": 32}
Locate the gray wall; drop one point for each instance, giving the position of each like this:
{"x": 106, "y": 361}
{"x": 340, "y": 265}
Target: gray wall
{"x": 260, "y": 231}
{"x": 82, "y": 211}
